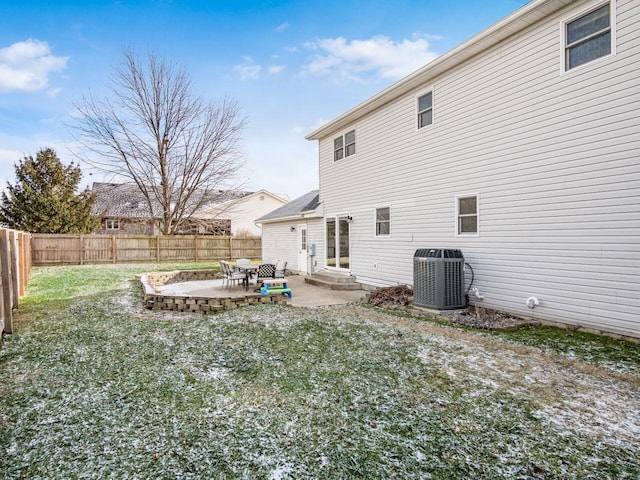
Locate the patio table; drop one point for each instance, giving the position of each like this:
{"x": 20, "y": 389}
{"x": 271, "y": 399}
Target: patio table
{"x": 249, "y": 271}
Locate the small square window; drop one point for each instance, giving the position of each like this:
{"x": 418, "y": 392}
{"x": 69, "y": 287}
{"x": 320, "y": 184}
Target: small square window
{"x": 467, "y": 213}
{"x": 588, "y": 37}
{"x": 425, "y": 110}
{"x": 383, "y": 221}
{"x": 112, "y": 224}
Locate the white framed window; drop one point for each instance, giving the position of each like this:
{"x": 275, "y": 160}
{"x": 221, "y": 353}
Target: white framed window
{"x": 344, "y": 146}
{"x": 588, "y": 36}
{"x": 425, "y": 110}
{"x": 467, "y": 215}
{"x": 383, "y": 221}
{"x": 112, "y": 224}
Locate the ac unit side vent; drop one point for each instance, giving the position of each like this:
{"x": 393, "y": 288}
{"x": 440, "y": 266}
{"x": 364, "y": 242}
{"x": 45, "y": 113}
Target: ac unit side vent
{"x": 438, "y": 279}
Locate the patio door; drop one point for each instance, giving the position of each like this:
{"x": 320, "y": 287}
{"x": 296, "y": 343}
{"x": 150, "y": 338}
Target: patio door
{"x": 338, "y": 242}
{"x": 302, "y": 249}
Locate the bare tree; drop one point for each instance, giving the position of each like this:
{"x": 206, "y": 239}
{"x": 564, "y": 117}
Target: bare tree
{"x": 179, "y": 149}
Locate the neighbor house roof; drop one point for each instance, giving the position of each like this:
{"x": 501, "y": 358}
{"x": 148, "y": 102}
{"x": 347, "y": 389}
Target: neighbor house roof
{"x": 122, "y": 200}
{"x": 125, "y": 200}
{"x": 508, "y": 26}
{"x": 295, "y": 208}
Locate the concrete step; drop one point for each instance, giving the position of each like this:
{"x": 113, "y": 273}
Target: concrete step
{"x": 334, "y": 277}
{"x": 333, "y": 281}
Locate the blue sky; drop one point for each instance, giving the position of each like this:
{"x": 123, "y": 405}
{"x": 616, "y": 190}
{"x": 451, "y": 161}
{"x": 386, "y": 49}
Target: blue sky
{"x": 290, "y": 65}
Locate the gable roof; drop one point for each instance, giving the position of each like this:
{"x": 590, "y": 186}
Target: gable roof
{"x": 280, "y": 197}
{"x": 125, "y": 200}
{"x": 122, "y": 200}
{"x": 522, "y": 18}
{"x": 295, "y": 208}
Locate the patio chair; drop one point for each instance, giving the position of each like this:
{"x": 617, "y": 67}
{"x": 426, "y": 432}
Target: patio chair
{"x": 281, "y": 268}
{"x": 265, "y": 270}
{"x": 229, "y": 276}
{"x": 243, "y": 262}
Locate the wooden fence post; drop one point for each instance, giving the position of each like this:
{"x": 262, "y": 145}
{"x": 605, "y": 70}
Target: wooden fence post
{"x": 81, "y": 249}
{"x": 14, "y": 258}
{"x": 25, "y": 250}
{"x": 114, "y": 250}
{"x": 7, "y": 282}
{"x": 158, "y": 248}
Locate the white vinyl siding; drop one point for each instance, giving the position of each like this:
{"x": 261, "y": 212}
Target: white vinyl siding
{"x": 555, "y": 157}
{"x": 280, "y": 242}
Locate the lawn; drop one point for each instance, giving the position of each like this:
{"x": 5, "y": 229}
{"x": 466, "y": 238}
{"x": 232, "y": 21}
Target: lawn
{"x": 94, "y": 386}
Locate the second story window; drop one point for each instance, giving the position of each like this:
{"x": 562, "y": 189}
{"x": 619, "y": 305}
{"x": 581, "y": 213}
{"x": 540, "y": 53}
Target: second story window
{"x": 588, "y": 37}
{"x": 425, "y": 110}
{"x": 344, "y": 145}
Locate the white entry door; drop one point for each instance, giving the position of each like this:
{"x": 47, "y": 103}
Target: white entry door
{"x": 302, "y": 249}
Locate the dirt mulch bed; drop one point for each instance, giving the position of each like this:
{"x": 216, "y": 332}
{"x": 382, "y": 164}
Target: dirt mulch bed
{"x": 400, "y": 297}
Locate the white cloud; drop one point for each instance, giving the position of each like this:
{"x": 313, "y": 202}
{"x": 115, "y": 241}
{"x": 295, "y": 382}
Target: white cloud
{"x": 282, "y": 27}
{"x": 27, "y": 65}
{"x": 298, "y": 130}
{"x": 380, "y": 55}
{"x": 275, "y": 69}
{"x": 248, "y": 70}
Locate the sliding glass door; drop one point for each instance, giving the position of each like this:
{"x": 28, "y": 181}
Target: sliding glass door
{"x": 338, "y": 242}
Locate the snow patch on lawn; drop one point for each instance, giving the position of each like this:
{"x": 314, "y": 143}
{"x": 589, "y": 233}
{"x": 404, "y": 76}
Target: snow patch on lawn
{"x": 567, "y": 396}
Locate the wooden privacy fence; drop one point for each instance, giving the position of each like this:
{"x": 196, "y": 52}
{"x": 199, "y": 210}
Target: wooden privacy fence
{"x": 15, "y": 263}
{"x": 91, "y": 249}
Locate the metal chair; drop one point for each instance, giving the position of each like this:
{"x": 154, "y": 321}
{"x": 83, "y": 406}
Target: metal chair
{"x": 281, "y": 268}
{"x": 266, "y": 270}
{"x": 243, "y": 262}
{"x": 229, "y": 275}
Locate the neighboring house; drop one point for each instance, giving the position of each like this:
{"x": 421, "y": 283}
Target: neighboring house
{"x": 289, "y": 232}
{"x": 124, "y": 210}
{"x": 243, "y": 211}
{"x": 521, "y": 147}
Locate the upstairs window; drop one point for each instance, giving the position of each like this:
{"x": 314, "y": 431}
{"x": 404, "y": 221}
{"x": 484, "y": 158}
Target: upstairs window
{"x": 344, "y": 145}
{"x": 425, "y": 110}
{"x": 467, "y": 213}
{"x": 588, "y": 37}
{"x": 350, "y": 143}
{"x": 383, "y": 221}
{"x": 338, "y": 149}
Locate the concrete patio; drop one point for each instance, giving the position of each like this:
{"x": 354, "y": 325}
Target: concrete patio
{"x": 304, "y": 294}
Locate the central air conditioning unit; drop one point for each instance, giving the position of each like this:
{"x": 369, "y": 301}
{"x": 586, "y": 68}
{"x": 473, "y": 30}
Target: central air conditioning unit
{"x": 438, "y": 278}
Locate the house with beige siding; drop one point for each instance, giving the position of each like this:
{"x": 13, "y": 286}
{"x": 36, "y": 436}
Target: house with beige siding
{"x": 243, "y": 211}
{"x": 521, "y": 148}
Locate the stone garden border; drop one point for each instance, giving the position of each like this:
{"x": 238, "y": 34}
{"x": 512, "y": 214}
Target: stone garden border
{"x": 154, "y": 300}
